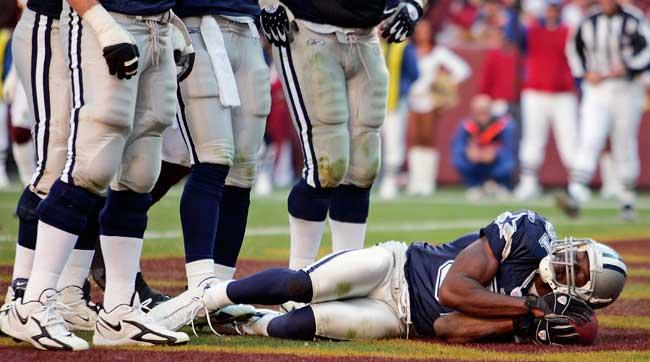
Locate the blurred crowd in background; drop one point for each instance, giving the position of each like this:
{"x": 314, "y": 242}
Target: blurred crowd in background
{"x": 521, "y": 47}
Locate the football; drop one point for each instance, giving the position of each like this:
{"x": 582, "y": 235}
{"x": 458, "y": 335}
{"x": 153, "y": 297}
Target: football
{"x": 587, "y": 330}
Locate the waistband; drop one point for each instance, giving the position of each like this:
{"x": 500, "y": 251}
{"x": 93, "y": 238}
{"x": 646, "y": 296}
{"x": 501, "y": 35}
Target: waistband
{"x": 162, "y": 18}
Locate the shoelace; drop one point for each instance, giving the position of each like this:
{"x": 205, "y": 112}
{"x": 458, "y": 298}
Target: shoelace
{"x": 195, "y": 311}
{"x": 52, "y": 313}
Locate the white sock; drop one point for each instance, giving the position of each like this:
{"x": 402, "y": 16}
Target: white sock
{"x": 434, "y": 158}
{"x": 218, "y": 296}
{"x": 347, "y": 235}
{"x": 305, "y": 241}
{"x": 25, "y": 157}
{"x": 198, "y": 271}
{"x": 223, "y": 272}
{"x": 53, "y": 248}
{"x": 23, "y": 262}
{"x": 121, "y": 257}
{"x": 76, "y": 270}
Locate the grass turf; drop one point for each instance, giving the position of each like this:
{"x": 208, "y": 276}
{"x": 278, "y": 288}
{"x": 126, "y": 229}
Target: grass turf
{"x": 437, "y": 219}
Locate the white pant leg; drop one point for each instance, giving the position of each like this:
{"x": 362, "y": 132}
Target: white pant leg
{"x": 174, "y": 148}
{"x": 564, "y": 110}
{"x": 360, "y": 318}
{"x": 349, "y": 274}
{"x": 535, "y": 119}
{"x": 594, "y": 128}
{"x": 627, "y": 109}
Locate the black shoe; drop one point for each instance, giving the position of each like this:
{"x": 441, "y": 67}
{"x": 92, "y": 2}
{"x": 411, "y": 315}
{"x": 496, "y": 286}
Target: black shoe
{"x": 146, "y": 292}
{"x": 97, "y": 268}
{"x": 627, "y": 213}
{"x": 567, "y": 204}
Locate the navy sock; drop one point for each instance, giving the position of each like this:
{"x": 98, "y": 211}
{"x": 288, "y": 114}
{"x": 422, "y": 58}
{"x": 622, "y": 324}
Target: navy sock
{"x": 170, "y": 175}
{"x": 125, "y": 214}
{"x": 232, "y": 225}
{"x": 66, "y": 207}
{"x": 272, "y": 286}
{"x": 350, "y": 203}
{"x": 27, "y": 213}
{"x": 200, "y": 209}
{"x": 90, "y": 234}
{"x": 309, "y": 203}
{"x": 297, "y": 324}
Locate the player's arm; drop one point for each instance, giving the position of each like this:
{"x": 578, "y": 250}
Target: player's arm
{"x": 460, "y": 328}
{"x": 464, "y": 286}
{"x": 117, "y": 44}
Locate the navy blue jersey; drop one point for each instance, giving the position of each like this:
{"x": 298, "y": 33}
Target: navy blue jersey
{"x": 343, "y": 13}
{"x": 138, "y": 7}
{"x": 248, "y": 8}
{"x": 518, "y": 240}
{"x": 51, "y": 8}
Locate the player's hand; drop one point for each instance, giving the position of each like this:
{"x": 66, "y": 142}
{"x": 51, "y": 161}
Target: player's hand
{"x": 276, "y": 25}
{"x": 118, "y": 46}
{"x": 183, "y": 50}
{"x": 401, "y": 21}
{"x": 546, "y": 330}
{"x": 559, "y": 304}
{"x": 594, "y": 78}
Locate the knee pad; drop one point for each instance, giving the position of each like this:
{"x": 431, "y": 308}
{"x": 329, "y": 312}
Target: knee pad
{"x": 125, "y": 214}
{"x": 309, "y": 203}
{"x": 298, "y": 324}
{"x": 90, "y": 234}
{"x": 331, "y": 174}
{"x": 27, "y": 213}
{"x": 20, "y": 135}
{"x": 350, "y": 203}
{"x": 66, "y": 207}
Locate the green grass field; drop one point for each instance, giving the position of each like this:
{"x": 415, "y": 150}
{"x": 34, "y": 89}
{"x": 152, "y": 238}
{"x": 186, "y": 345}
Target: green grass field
{"x": 436, "y": 220}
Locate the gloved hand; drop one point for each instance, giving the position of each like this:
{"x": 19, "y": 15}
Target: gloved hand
{"x": 183, "y": 50}
{"x": 401, "y": 20}
{"x": 276, "y": 25}
{"x": 118, "y": 46}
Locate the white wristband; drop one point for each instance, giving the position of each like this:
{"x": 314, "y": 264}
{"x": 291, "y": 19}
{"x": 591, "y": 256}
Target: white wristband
{"x": 107, "y": 30}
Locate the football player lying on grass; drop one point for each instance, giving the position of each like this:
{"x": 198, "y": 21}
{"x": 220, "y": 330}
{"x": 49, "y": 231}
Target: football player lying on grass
{"x": 512, "y": 278}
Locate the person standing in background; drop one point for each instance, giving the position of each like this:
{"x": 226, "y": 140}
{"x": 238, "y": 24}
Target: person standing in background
{"x": 548, "y": 99}
{"x": 612, "y": 101}
{"x": 402, "y": 62}
{"x": 436, "y": 89}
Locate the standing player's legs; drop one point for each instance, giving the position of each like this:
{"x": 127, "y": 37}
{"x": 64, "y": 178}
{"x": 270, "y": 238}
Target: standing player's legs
{"x": 248, "y": 125}
{"x": 315, "y": 87}
{"x": 394, "y": 141}
{"x": 40, "y": 62}
{"x": 535, "y": 111}
{"x": 206, "y": 126}
{"x": 367, "y": 91}
{"x": 627, "y": 111}
{"x": 20, "y": 134}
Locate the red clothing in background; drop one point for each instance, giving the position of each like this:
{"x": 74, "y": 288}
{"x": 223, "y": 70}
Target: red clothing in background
{"x": 547, "y": 68}
{"x": 498, "y": 75}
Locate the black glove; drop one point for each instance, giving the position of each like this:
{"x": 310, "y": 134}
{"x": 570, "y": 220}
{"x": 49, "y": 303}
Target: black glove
{"x": 122, "y": 59}
{"x": 551, "y": 329}
{"x": 185, "y": 62}
{"x": 401, "y": 22}
{"x": 561, "y": 304}
{"x": 276, "y": 26}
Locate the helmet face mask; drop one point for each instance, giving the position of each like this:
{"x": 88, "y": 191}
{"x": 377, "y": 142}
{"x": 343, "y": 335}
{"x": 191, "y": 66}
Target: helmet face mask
{"x": 565, "y": 269}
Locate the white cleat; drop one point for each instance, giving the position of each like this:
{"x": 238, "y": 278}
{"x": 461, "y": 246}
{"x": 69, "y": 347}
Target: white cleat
{"x": 181, "y": 310}
{"x": 255, "y": 325}
{"x": 527, "y": 190}
{"x": 40, "y": 324}
{"x": 81, "y": 313}
{"x": 130, "y": 325}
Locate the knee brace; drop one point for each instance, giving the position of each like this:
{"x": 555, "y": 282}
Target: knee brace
{"x": 125, "y": 214}
{"x": 298, "y": 324}
{"x": 66, "y": 207}
{"x": 27, "y": 213}
{"x": 350, "y": 203}
{"x": 309, "y": 203}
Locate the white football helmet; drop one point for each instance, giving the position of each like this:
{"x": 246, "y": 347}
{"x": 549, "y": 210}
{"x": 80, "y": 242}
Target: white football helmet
{"x": 607, "y": 271}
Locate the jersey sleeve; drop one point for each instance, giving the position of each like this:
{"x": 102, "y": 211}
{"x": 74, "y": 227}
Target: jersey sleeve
{"x": 523, "y": 234}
